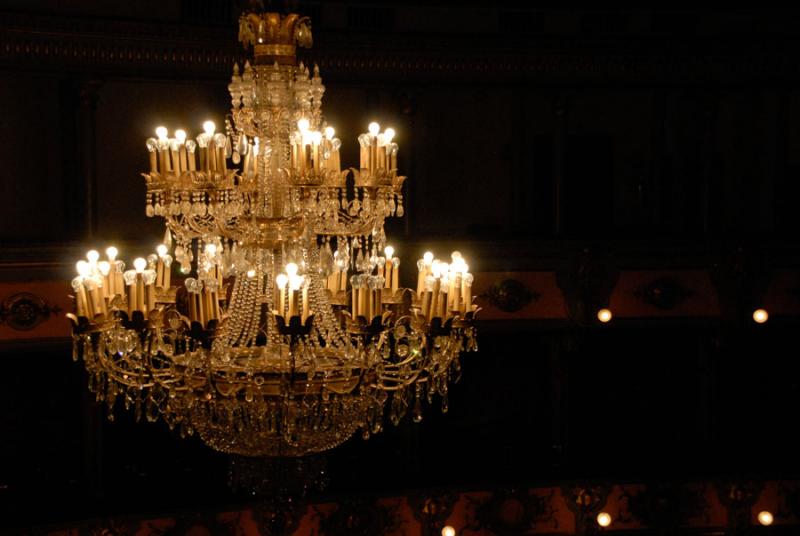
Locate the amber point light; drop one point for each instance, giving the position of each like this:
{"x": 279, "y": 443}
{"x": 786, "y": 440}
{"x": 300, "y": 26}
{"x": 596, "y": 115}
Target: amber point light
{"x": 374, "y": 128}
{"x": 604, "y": 519}
{"x": 765, "y": 518}
{"x": 112, "y": 253}
{"x": 389, "y": 251}
{"x": 760, "y": 316}
{"x": 604, "y": 315}
{"x": 139, "y": 265}
{"x": 209, "y": 127}
{"x": 448, "y": 531}
{"x": 303, "y": 125}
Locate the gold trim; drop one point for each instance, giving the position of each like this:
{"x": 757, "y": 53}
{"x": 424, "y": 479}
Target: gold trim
{"x": 275, "y": 50}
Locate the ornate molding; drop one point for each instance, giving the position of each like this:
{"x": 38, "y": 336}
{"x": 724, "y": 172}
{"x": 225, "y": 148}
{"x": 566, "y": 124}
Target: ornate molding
{"x": 113, "y": 46}
{"x": 24, "y": 311}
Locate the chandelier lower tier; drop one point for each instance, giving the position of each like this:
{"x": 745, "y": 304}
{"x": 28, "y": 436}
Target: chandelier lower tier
{"x": 293, "y": 331}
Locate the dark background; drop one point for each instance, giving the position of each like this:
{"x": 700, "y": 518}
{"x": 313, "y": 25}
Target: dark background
{"x": 660, "y": 139}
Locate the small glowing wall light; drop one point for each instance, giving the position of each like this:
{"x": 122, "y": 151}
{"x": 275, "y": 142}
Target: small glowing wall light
{"x": 604, "y": 519}
{"x": 760, "y": 316}
{"x": 765, "y": 518}
{"x": 448, "y": 531}
{"x": 604, "y": 315}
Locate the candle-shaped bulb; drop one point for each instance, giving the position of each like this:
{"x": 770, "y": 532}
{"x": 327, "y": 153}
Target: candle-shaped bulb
{"x": 444, "y": 269}
{"x": 104, "y": 267}
{"x": 468, "y": 279}
{"x": 329, "y": 133}
{"x": 291, "y": 269}
{"x": 180, "y": 135}
{"x": 396, "y": 262}
{"x": 93, "y": 256}
{"x": 281, "y": 280}
{"x": 112, "y": 252}
{"x": 211, "y": 249}
{"x": 161, "y": 250}
{"x": 251, "y": 273}
{"x": 374, "y": 128}
{"x": 140, "y": 264}
{"x": 161, "y": 132}
{"x": 302, "y": 125}
{"x": 428, "y": 257}
{"x": 151, "y": 144}
{"x": 436, "y": 268}
{"x": 388, "y": 136}
{"x": 77, "y": 284}
{"x": 455, "y": 255}
{"x": 191, "y": 146}
{"x": 295, "y": 282}
{"x": 209, "y": 127}
{"x": 421, "y": 264}
{"x": 389, "y": 250}
{"x": 83, "y": 268}
{"x": 316, "y": 138}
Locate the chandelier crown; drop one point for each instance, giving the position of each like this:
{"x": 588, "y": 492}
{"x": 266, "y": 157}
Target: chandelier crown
{"x": 273, "y": 36}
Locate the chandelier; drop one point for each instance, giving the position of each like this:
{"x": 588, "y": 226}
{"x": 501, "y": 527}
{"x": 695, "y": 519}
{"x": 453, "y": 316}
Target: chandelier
{"x": 291, "y": 330}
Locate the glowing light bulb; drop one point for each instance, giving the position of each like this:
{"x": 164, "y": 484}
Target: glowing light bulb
{"x": 180, "y": 135}
{"x": 604, "y": 519}
{"x": 329, "y": 133}
{"x": 211, "y": 249}
{"x": 388, "y": 135}
{"x": 389, "y": 251}
{"x": 428, "y": 257}
{"x": 139, "y": 264}
{"x": 161, "y": 132}
{"x": 374, "y": 128}
{"x": 252, "y": 273}
{"x": 302, "y": 125}
{"x": 291, "y": 269}
{"x": 93, "y": 256}
{"x": 209, "y": 127}
{"x": 765, "y": 518}
{"x": 448, "y": 531}
{"x": 83, "y": 268}
{"x": 760, "y": 316}
{"x": 281, "y": 280}
{"x": 161, "y": 250}
{"x": 316, "y": 138}
{"x": 604, "y": 315}
{"x": 455, "y": 255}
{"x": 104, "y": 267}
{"x": 112, "y": 252}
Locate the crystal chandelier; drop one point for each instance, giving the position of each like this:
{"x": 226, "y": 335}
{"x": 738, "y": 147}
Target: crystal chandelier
{"x": 292, "y": 331}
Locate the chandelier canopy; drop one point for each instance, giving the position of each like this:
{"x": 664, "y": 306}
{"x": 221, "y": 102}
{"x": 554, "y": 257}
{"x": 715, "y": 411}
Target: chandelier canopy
{"x": 291, "y": 330}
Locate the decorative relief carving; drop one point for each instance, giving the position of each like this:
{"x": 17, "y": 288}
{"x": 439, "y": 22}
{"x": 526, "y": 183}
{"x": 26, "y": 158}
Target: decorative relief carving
{"x": 510, "y": 295}
{"x": 508, "y": 511}
{"x": 432, "y": 508}
{"x": 24, "y": 311}
{"x": 663, "y": 293}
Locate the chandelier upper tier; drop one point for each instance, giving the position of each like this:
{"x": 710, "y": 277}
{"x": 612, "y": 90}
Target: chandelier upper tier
{"x": 292, "y": 330}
